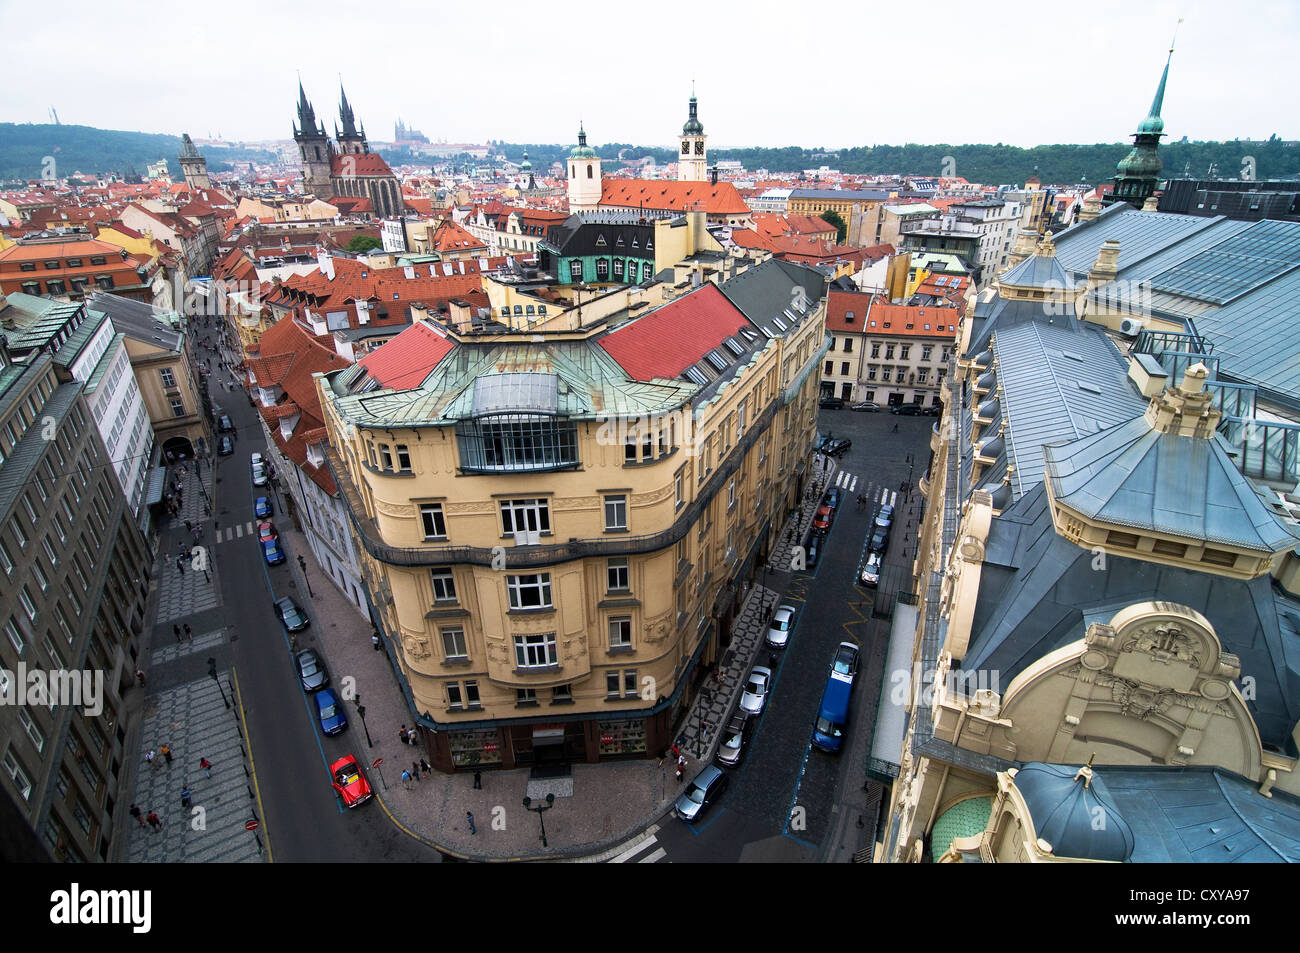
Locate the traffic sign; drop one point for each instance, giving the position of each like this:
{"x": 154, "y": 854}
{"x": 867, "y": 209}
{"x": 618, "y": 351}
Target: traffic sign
{"x": 251, "y": 825}
{"x": 377, "y": 762}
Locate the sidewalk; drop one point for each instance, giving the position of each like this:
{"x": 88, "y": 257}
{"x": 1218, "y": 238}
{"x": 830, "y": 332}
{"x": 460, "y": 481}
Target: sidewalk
{"x": 596, "y": 808}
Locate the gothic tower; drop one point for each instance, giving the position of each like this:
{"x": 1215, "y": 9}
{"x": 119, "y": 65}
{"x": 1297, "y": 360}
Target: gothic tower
{"x": 350, "y": 141}
{"x": 584, "y": 175}
{"x": 692, "y": 162}
{"x": 1138, "y": 174}
{"x": 314, "y": 148}
{"x": 193, "y": 166}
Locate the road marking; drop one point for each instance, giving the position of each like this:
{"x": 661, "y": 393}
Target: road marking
{"x": 239, "y": 532}
{"x": 654, "y": 858}
{"x": 854, "y": 485}
{"x": 634, "y": 850}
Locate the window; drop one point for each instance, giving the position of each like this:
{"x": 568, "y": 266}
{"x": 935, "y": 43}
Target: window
{"x": 33, "y": 732}
{"x": 385, "y": 457}
{"x": 731, "y": 493}
{"x": 525, "y": 696}
{"x": 18, "y": 775}
{"x": 444, "y": 584}
{"x": 536, "y": 650}
{"x": 740, "y": 419}
{"x": 616, "y": 575}
{"x": 28, "y": 606}
{"x": 52, "y": 266}
{"x": 561, "y": 693}
{"x": 15, "y": 637}
{"x": 56, "y": 287}
{"x": 830, "y": 367}
{"x": 403, "y": 458}
{"x": 889, "y": 352}
{"x": 435, "y": 525}
{"x": 40, "y": 576}
{"x": 27, "y": 266}
{"x": 875, "y": 350}
{"x": 844, "y": 369}
{"x": 74, "y": 262}
{"x": 629, "y": 450}
{"x": 677, "y": 490}
{"x": 525, "y": 516}
{"x": 453, "y": 695}
{"x": 620, "y": 632}
{"x": 848, "y": 345}
{"x": 612, "y": 682}
{"x": 575, "y": 270}
{"x": 453, "y": 642}
{"x": 529, "y": 590}
{"x": 629, "y": 683}
{"x": 903, "y": 351}
{"x": 925, "y": 351}
{"x": 97, "y": 259}
{"x": 168, "y": 378}
{"x": 178, "y": 408}
{"x": 615, "y": 512}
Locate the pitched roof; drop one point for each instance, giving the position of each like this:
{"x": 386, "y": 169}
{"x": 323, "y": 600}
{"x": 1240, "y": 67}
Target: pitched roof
{"x": 912, "y": 321}
{"x": 364, "y": 164}
{"x": 720, "y": 199}
{"x": 665, "y": 342}
{"x": 404, "y": 362}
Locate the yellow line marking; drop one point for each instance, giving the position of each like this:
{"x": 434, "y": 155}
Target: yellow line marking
{"x": 252, "y": 765}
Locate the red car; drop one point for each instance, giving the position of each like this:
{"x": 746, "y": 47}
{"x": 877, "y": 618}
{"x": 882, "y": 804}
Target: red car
{"x": 349, "y": 782}
{"x": 266, "y": 532}
{"x": 822, "y": 521}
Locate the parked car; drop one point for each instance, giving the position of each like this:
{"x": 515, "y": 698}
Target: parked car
{"x": 879, "y": 540}
{"x": 932, "y": 410}
{"x": 907, "y": 410}
{"x": 845, "y": 661}
{"x": 225, "y": 447}
{"x": 754, "y": 695}
{"x": 832, "y": 497}
{"x": 831, "y": 403}
{"x": 735, "y": 740}
{"x": 255, "y": 459}
{"x": 866, "y": 406}
{"x": 703, "y": 790}
{"x": 330, "y": 712}
{"x": 836, "y": 447}
{"x": 870, "y": 574}
{"x": 266, "y": 532}
{"x": 259, "y": 474}
{"x": 312, "y": 672}
{"x": 349, "y": 782}
{"x": 832, "y": 713}
{"x": 262, "y": 507}
{"x": 272, "y": 552}
{"x": 224, "y": 425}
{"x": 885, "y": 515}
{"x": 294, "y": 619}
{"x": 778, "y": 633}
{"x": 813, "y": 551}
{"x": 822, "y": 519}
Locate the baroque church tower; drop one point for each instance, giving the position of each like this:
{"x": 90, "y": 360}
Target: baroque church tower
{"x": 584, "y": 175}
{"x": 350, "y": 141}
{"x": 692, "y": 160}
{"x": 314, "y": 148}
{"x": 1138, "y": 174}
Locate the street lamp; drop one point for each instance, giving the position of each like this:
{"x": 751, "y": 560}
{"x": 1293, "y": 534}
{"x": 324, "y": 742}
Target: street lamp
{"x": 212, "y": 670}
{"x": 302, "y": 564}
{"x": 539, "y": 809}
{"x": 361, "y": 712}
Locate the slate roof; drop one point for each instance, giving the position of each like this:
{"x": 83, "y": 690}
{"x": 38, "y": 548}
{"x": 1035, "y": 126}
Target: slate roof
{"x": 1078, "y": 820}
{"x": 765, "y": 292}
{"x": 1184, "y": 486}
{"x": 1038, "y": 271}
{"x": 137, "y": 320}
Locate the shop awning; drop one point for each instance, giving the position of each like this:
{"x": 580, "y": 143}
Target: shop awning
{"x": 157, "y": 479}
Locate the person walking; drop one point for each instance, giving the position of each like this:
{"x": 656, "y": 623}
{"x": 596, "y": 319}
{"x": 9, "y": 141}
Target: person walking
{"x": 401, "y": 735}
{"x": 187, "y": 797}
{"x": 139, "y": 677}
{"x": 426, "y": 767}
{"x": 469, "y": 816}
{"x": 206, "y": 765}
{"x": 406, "y": 779}
{"x": 176, "y": 631}
{"x": 410, "y": 737}
{"x": 374, "y": 640}
{"x": 149, "y": 758}
{"x": 478, "y": 780}
{"x": 771, "y": 661}
{"x": 180, "y": 568}
{"x": 135, "y": 812}
{"x": 189, "y": 633}
{"x": 415, "y": 771}
{"x": 166, "y": 752}
{"x": 154, "y": 821}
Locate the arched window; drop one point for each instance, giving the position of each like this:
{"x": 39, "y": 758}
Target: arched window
{"x": 589, "y": 170}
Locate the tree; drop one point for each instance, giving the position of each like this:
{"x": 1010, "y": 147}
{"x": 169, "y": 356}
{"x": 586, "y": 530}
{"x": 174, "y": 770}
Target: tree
{"x": 360, "y": 244}
{"x": 832, "y": 217}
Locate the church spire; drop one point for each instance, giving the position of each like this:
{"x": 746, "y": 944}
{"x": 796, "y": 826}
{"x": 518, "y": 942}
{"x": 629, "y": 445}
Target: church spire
{"x": 345, "y": 113}
{"x": 306, "y": 115}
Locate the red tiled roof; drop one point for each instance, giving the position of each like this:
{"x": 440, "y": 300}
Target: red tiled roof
{"x": 838, "y": 306}
{"x": 406, "y": 360}
{"x": 670, "y": 339}
{"x": 367, "y": 163}
{"x": 895, "y": 319}
{"x": 720, "y": 199}
{"x": 450, "y": 237}
{"x": 748, "y": 238}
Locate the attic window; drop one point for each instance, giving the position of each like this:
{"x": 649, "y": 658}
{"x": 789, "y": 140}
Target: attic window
{"x": 717, "y": 360}
{"x": 780, "y": 324}
{"x": 1072, "y": 356}
{"x": 635, "y": 244}
{"x": 1090, "y": 388}
{"x": 873, "y": 324}
{"x": 694, "y": 375}
{"x": 600, "y": 241}
{"x": 734, "y": 346}
{"x": 848, "y": 317}
{"x": 619, "y": 243}
{"x": 927, "y": 327}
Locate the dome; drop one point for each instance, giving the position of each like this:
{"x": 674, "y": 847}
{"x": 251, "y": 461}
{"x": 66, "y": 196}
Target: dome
{"x": 582, "y": 150}
{"x": 983, "y": 358}
{"x": 1065, "y": 808}
{"x": 1001, "y": 494}
{"x": 693, "y": 126}
{"x": 989, "y": 409}
{"x": 987, "y": 381}
{"x": 992, "y": 447}
{"x": 525, "y": 166}
{"x": 1152, "y": 126}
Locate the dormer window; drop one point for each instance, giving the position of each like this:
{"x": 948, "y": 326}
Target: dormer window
{"x": 848, "y": 317}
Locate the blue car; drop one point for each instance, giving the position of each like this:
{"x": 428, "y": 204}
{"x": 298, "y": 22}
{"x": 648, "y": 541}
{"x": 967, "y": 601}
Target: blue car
{"x": 273, "y": 553}
{"x": 262, "y": 508}
{"x": 330, "y": 712}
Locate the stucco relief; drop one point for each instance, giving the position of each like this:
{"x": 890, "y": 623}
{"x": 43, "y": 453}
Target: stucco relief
{"x": 399, "y": 510}
{"x": 569, "y": 503}
{"x": 416, "y": 648}
{"x": 656, "y": 629}
{"x": 1164, "y": 642}
{"x": 654, "y": 496}
{"x": 496, "y": 652}
{"x": 466, "y": 509}
{"x": 1136, "y": 701}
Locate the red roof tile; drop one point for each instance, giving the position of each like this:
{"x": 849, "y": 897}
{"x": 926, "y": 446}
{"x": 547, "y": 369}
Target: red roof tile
{"x": 720, "y": 199}
{"x": 367, "y": 163}
{"x": 670, "y": 339}
{"x": 406, "y": 360}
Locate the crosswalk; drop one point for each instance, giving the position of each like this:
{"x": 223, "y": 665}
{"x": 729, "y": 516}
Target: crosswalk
{"x": 848, "y": 482}
{"x": 649, "y": 840}
{"x": 237, "y": 531}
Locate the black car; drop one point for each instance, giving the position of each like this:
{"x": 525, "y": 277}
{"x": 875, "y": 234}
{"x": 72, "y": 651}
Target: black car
{"x": 225, "y": 447}
{"x": 866, "y": 406}
{"x": 932, "y": 410}
{"x": 879, "y": 540}
{"x": 224, "y": 425}
{"x": 907, "y": 410}
{"x": 831, "y": 403}
{"x": 836, "y": 447}
{"x": 832, "y": 497}
{"x": 294, "y": 619}
{"x": 813, "y": 552}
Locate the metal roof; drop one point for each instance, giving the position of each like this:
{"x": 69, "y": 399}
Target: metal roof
{"x": 1038, "y": 271}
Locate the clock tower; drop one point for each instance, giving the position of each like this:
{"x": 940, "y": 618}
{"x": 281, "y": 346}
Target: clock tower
{"x": 692, "y": 156}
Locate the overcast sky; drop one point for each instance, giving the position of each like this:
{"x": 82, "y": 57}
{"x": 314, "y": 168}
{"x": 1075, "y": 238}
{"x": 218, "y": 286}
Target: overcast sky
{"x": 767, "y": 73}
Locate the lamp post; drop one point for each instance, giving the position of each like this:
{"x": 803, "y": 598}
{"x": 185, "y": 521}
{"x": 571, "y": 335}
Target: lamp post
{"x": 538, "y": 810}
{"x": 212, "y": 670}
{"x": 302, "y": 564}
{"x": 361, "y": 712}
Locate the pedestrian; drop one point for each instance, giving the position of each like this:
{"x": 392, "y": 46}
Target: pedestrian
{"x": 681, "y": 769}
{"x": 139, "y": 677}
{"x": 189, "y": 526}
{"x": 197, "y": 533}
{"x": 180, "y": 568}
{"x": 189, "y": 634}
{"x": 176, "y": 631}
{"x": 469, "y": 816}
{"x": 374, "y": 640}
{"x": 406, "y": 779}
{"x": 187, "y": 797}
{"x": 426, "y": 767}
{"x": 135, "y": 812}
{"x": 478, "y": 780}
{"x": 895, "y": 430}
{"x": 180, "y": 547}
{"x": 166, "y": 752}
{"x": 206, "y": 765}
{"x": 154, "y": 821}
{"x": 415, "y": 770}
{"x": 401, "y": 735}
{"x": 410, "y": 737}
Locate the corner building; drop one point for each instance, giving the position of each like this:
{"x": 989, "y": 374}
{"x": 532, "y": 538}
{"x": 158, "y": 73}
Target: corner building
{"x": 557, "y": 526}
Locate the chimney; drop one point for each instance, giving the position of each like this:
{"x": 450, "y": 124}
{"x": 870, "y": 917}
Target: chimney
{"x": 1106, "y": 267}
{"x": 460, "y": 314}
{"x": 714, "y": 175}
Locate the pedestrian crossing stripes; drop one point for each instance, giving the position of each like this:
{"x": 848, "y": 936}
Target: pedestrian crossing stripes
{"x": 650, "y": 840}
{"x": 848, "y": 482}
{"x": 236, "y": 532}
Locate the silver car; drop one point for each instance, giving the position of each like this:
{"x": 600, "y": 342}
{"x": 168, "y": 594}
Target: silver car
{"x": 778, "y": 633}
{"x": 754, "y": 696}
{"x": 871, "y": 571}
{"x": 707, "y": 786}
{"x": 731, "y": 749}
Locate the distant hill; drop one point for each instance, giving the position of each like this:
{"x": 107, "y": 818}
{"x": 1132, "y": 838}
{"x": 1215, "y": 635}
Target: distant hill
{"x": 23, "y": 148}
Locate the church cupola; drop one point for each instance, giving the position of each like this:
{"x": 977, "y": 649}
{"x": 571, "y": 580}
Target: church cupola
{"x": 692, "y": 162}
{"x": 1137, "y": 176}
{"x": 584, "y": 175}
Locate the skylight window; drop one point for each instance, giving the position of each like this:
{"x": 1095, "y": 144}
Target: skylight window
{"x": 1090, "y": 388}
{"x": 780, "y": 324}
{"x": 1072, "y": 356}
{"x": 696, "y": 376}
{"x": 717, "y": 360}
{"x": 749, "y": 334}
{"x": 734, "y": 346}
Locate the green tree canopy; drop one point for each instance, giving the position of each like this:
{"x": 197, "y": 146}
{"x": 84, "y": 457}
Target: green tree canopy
{"x": 832, "y": 217}
{"x": 360, "y": 244}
